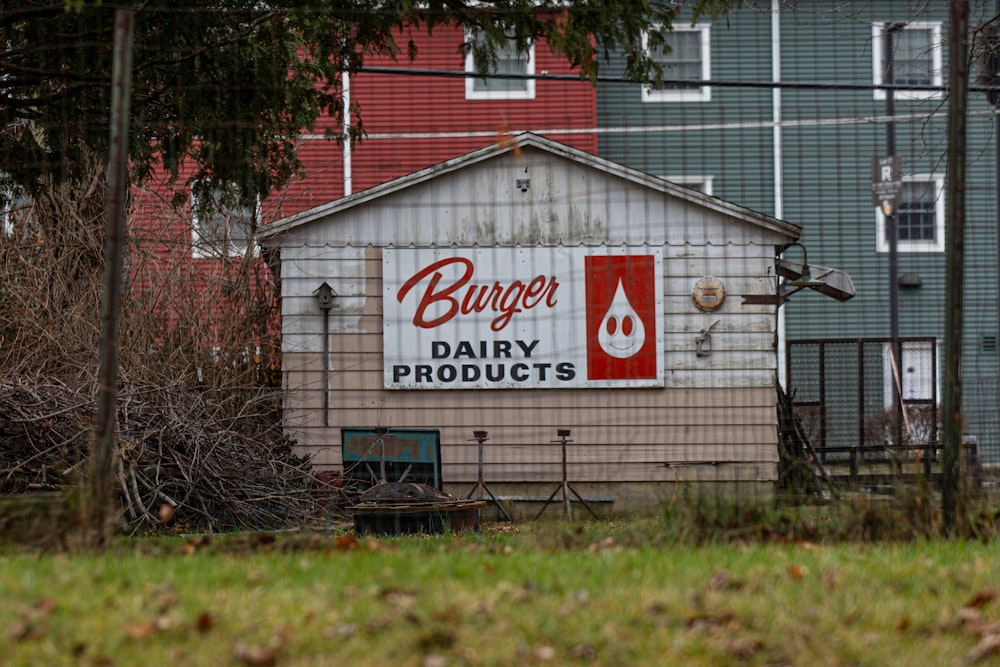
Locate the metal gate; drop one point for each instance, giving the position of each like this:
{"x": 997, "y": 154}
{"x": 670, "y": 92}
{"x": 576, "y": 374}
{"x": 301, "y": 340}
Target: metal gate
{"x": 842, "y": 395}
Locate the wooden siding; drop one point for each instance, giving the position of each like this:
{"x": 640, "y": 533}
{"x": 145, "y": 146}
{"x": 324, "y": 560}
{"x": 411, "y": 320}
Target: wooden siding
{"x": 617, "y": 435}
{"x": 716, "y": 418}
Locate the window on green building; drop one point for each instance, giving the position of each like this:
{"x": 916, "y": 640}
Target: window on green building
{"x": 686, "y": 64}
{"x": 919, "y": 216}
{"x": 916, "y": 217}
{"x": 916, "y": 59}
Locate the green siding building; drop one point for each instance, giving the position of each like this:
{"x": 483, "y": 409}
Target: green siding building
{"x": 786, "y": 119}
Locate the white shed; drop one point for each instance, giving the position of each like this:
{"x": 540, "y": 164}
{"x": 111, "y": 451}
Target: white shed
{"x": 528, "y": 287}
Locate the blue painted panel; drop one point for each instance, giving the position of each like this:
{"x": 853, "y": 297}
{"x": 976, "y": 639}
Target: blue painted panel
{"x": 411, "y": 455}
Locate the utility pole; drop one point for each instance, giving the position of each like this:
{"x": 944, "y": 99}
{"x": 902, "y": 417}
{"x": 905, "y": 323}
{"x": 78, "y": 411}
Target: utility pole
{"x": 958, "y": 96}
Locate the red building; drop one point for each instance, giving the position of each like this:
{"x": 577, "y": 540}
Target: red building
{"x": 414, "y": 114}
{"x": 430, "y": 111}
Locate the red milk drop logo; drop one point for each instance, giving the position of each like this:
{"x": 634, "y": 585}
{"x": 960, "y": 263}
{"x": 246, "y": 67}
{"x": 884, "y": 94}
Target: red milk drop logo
{"x": 621, "y": 317}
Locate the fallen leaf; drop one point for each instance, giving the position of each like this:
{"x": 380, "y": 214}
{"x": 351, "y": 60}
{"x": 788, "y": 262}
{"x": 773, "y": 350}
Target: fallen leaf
{"x": 140, "y": 630}
{"x": 744, "y": 648}
{"x": 45, "y": 606}
{"x": 342, "y": 631}
{"x": 255, "y": 656}
{"x": 982, "y": 598}
{"x": 21, "y": 630}
{"x": 262, "y": 539}
{"x": 986, "y": 648}
{"x": 606, "y": 543}
{"x": 797, "y": 572}
{"x": 402, "y": 600}
{"x": 967, "y": 616}
{"x": 348, "y": 542}
{"x": 166, "y": 512}
{"x": 982, "y": 627}
{"x": 545, "y": 653}
{"x": 585, "y": 652}
{"x": 435, "y": 639}
{"x": 205, "y": 622}
{"x": 713, "y": 622}
{"x": 723, "y": 581}
{"x": 657, "y": 608}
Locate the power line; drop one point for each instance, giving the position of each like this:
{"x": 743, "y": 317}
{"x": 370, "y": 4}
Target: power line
{"x": 721, "y": 83}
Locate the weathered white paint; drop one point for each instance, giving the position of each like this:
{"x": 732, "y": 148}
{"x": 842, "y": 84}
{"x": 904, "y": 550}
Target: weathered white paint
{"x": 714, "y": 418}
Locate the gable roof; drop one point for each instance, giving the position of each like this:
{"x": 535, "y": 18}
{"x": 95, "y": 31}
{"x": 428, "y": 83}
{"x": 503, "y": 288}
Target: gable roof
{"x": 519, "y": 142}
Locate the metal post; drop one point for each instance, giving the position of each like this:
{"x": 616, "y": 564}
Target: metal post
{"x": 477, "y": 491}
{"x": 892, "y": 229}
{"x": 565, "y": 479}
{"x": 565, "y": 487}
{"x": 381, "y": 432}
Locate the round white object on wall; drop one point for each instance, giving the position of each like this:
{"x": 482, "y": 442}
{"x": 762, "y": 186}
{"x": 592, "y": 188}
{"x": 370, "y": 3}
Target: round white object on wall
{"x": 709, "y": 293}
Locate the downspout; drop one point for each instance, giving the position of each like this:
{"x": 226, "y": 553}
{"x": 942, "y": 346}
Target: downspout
{"x": 346, "y": 95}
{"x": 778, "y": 164}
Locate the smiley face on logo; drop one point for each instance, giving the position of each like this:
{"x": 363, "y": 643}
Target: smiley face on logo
{"x": 622, "y": 333}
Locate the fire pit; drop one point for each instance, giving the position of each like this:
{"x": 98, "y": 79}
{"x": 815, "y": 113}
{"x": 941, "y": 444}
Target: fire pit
{"x": 407, "y": 508}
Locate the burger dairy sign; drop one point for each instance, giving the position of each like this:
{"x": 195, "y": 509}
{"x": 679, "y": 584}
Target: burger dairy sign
{"x": 509, "y": 317}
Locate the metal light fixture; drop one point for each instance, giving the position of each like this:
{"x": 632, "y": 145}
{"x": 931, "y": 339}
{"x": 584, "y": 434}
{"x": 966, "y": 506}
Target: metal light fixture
{"x": 830, "y": 282}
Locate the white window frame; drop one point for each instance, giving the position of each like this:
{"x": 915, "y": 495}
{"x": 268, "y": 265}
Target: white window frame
{"x": 207, "y": 248}
{"x": 703, "y": 183}
{"x": 528, "y": 93}
{"x": 699, "y": 94}
{"x": 937, "y": 245}
{"x": 878, "y": 48}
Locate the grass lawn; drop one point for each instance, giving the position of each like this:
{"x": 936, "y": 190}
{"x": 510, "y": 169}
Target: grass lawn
{"x": 544, "y": 593}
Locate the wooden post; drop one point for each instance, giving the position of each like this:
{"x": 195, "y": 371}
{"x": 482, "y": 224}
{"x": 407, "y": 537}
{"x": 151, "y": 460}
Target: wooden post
{"x": 99, "y": 505}
{"x": 958, "y": 94}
